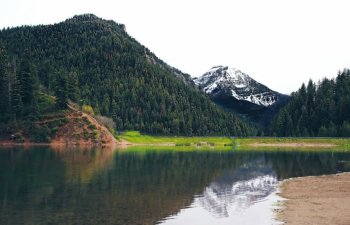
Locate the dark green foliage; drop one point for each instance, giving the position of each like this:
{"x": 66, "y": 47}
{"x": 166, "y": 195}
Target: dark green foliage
{"x": 73, "y": 86}
{"x": 15, "y": 101}
{"x": 45, "y": 103}
{"x": 101, "y": 65}
{"x": 19, "y": 89}
{"x": 92, "y": 126}
{"x": 10, "y": 89}
{"x": 62, "y": 91}
{"x": 28, "y": 79}
{"x": 345, "y": 129}
{"x": 317, "y": 110}
{"x": 3, "y": 81}
{"x": 40, "y": 133}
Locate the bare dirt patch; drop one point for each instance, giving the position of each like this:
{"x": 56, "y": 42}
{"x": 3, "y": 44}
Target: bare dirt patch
{"x": 321, "y": 200}
{"x": 83, "y": 130}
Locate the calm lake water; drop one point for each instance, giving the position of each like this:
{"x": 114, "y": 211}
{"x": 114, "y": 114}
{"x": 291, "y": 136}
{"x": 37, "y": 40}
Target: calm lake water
{"x": 47, "y": 186}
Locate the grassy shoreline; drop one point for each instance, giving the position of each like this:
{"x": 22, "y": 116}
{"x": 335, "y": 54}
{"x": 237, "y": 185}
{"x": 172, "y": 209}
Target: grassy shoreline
{"x": 134, "y": 138}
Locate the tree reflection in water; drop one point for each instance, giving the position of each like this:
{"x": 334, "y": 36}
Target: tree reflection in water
{"x": 61, "y": 186}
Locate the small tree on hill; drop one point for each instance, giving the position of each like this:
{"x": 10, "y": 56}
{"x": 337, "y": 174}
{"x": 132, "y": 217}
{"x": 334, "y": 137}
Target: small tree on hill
{"x": 62, "y": 92}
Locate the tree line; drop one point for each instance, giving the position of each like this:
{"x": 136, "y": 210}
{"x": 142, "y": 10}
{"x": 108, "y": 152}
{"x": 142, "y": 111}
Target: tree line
{"x": 321, "y": 109}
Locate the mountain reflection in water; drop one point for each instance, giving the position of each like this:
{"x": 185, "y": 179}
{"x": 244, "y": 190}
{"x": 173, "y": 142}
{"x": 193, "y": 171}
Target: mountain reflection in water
{"x": 60, "y": 186}
{"x": 219, "y": 199}
{"x": 230, "y": 194}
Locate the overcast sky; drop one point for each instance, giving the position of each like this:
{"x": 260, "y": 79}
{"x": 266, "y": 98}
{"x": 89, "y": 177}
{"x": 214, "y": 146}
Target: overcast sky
{"x": 280, "y": 43}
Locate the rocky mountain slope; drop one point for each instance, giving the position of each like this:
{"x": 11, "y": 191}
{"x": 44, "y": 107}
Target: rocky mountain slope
{"x": 237, "y": 91}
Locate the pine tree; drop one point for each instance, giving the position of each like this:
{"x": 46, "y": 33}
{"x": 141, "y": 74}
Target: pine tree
{"x": 105, "y": 105}
{"x": 322, "y": 132}
{"x": 332, "y": 130}
{"x": 289, "y": 126}
{"x": 3, "y": 81}
{"x": 28, "y": 80}
{"x": 62, "y": 91}
{"x": 15, "y": 99}
{"x": 345, "y": 129}
{"x": 73, "y": 86}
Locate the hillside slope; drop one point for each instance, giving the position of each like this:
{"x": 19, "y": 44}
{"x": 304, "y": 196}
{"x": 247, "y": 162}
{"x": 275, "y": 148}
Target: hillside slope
{"x": 119, "y": 77}
{"x": 69, "y": 127}
{"x": 82, "y": 129}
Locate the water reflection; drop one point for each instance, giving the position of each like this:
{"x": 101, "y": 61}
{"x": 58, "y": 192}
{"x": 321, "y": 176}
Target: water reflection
{"x": 238, "y": 189}
{"x": 60, "y": 186}
{"x": 231, "y": 195}
{"x": 81, "y": 164}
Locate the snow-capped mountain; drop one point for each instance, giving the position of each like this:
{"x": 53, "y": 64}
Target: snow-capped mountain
{"x": 237, "y": 91}
{"x": 237, "y": 84}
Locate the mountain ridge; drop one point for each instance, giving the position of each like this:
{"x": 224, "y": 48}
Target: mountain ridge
{"x": 118, "y": 76}
{"x": 237, "y": 91}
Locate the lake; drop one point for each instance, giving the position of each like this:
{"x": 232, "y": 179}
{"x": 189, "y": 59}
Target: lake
{"x": 82, "y": 186}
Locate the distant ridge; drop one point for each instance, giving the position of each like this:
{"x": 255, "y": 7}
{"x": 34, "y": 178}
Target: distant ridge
{"x": 237, "y": 91}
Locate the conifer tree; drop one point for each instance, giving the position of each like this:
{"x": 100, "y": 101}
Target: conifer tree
{"x": 3, "y": 81}
{"x": 62, "y": 91}
{"x": 323, "y": 132}
{"x": 345, "y": 129}
{"x": 28, "y": 80}
{"x": 15, "y": 100}
{"x": 73, "y": 86}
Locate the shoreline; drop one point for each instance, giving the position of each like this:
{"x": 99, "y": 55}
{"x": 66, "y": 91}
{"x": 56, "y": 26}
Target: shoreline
{"x": 294, "y": 144}
{"x": 124, "y": 143}
{"x": 26, "y": 144}
{"x": 318, "y": 200}
{"x": 239, "y": 144}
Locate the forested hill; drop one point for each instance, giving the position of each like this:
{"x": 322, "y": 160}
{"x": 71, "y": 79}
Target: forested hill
{"x": 111, "y": 71}
{"x": 317, "y": 110}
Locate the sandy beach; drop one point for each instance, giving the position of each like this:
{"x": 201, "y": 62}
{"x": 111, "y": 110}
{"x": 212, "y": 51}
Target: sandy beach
{"x": 316, "y": 200}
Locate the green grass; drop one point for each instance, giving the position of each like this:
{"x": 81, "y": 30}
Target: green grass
{"x": 226, "y": 143}
{"x": 155, "y": 148}
{"x": 136, "y": 138}
{"x": 340, "y": 144}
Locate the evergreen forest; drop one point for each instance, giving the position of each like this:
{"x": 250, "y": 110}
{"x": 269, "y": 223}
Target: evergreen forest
{"x": 319, "y": 109}
{"x": 93, "y": 61}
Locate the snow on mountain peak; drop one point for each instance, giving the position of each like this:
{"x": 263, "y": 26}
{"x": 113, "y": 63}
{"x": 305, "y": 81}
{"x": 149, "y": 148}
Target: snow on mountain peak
{"x": 219, "y": 75}
{"x": 223, "y": 79}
